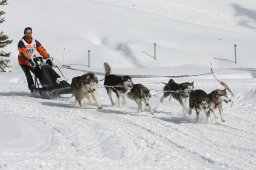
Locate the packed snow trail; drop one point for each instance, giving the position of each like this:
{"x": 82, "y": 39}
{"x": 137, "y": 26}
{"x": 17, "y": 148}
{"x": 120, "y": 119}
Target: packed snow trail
{"x": 122, "y": 138}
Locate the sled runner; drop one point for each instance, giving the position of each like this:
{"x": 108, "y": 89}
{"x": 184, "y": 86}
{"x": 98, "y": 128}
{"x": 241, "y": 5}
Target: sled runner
{"x": 48, "y": 84}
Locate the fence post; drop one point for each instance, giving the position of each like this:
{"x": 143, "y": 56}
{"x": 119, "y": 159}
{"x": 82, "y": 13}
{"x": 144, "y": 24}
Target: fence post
{"x": 235, "y": 45}
{"x": 89, "y": 58}
{"x": 154, "y": 51}
{"x": 63, "y": 57}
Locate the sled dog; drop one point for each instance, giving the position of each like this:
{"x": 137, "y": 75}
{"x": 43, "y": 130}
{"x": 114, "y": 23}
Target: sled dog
{"x": 85, "y": 86}
{"x": 179, "y": 91}
{"x": 140, "y": 94}
{"x": 216, "y": 98}
{"x": 118, "y": 84}
{"x": 199, "y": 100}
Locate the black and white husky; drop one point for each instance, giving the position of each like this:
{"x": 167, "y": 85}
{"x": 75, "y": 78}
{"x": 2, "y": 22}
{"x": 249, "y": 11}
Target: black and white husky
{"x": 118, "y": 84}
{"x": 140, "y": 94}
{"x": 85, "y": 86}
{"x": 199, "y": 100}
{"x": 179, "y": 91}
{"x": 216, "y": 98}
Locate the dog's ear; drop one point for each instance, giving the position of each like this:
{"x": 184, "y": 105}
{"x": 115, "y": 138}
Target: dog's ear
{"x": 221, "y": 92}
{"x": 224, "y": 91}
{"x": 192, "y": 83}
{"x": 96, "y": 78}
{"x": 171, "y": 81}
{"x": 149, "y": 95}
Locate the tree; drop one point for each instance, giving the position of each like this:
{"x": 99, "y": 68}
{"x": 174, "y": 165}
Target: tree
{"x": 4, "y": 41}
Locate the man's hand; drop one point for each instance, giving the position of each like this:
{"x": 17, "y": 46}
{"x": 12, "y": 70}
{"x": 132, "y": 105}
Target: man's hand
{"x": 49, "y": 61}
{"x": 32, "y": 63}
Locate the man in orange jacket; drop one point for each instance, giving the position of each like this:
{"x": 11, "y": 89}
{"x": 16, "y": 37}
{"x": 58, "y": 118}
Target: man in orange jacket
{"x": 27, "y": 47}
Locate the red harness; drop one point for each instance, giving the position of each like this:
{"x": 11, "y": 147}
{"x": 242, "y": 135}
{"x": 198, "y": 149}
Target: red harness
{"x": 216, "y": 105}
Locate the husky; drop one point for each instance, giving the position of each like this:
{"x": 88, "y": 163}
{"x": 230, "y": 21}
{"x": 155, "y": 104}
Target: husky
{"x": 179, "y": 91}
{"x": 140, "y": 94}
{"x": 199, "y": 100}
{"x": 85, "y": 86}
{"x": 216, "y": 98}
{"x": 118, "y": 84}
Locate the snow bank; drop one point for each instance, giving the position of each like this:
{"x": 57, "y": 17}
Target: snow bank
{"x": 123, "y": 32}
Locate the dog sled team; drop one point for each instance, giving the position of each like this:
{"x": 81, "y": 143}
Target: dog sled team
{"x": 85, "y": 86}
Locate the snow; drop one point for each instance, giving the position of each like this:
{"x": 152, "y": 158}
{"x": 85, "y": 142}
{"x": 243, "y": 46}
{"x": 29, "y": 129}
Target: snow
{"x": 22, "y": 134}
{"x": 38, "y": 133}
{"x": 185, "y": 32}
{"x": 58, "y": 134}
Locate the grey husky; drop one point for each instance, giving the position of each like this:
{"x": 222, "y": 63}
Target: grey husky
{"x": 179, "y": 91}
{"x": 85, "y": 86}
{"x": 118, "y": 84}
{"x": 199, "y": 100}
{"x": 217, "y": 97}
{"x": 139, "y": 93}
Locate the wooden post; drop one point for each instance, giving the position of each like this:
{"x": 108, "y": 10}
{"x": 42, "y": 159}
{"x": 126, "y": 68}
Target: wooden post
{"x": 235, "y": 45}
{"x": 63, "y": 56}
{"x": 154, "y": 51}
{"x": 89, "y": 58}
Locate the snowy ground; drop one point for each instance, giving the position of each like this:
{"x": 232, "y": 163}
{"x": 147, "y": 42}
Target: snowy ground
{"x": 56, "y": 134}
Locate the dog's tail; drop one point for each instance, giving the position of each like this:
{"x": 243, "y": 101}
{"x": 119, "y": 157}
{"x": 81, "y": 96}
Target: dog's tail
{"x": 107, "y": 69}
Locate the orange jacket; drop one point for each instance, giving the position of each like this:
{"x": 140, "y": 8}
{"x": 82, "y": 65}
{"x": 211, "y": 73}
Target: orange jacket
{"x": 27, "y": 50}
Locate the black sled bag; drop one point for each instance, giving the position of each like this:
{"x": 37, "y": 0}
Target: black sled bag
{"x": 50, "y": 80}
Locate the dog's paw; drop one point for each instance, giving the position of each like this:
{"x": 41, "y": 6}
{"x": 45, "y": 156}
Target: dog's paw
{"x": 100, "y": 107}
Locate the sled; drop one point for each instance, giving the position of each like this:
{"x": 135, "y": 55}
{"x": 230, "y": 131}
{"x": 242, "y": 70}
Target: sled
{"x": 47, "y": 82}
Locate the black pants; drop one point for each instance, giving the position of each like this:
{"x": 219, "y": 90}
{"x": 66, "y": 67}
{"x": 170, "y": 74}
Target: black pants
{"x": 27, "y": 70}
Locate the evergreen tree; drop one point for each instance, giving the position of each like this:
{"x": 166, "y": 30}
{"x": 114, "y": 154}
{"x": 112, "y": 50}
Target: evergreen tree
{"x": 4, "y": 41}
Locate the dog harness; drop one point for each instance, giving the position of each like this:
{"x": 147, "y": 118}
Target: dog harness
{"x": 216, "y": 105}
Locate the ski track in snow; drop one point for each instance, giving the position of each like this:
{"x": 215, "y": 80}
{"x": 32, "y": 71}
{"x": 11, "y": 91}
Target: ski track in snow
{"x": 120, "y": 137}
